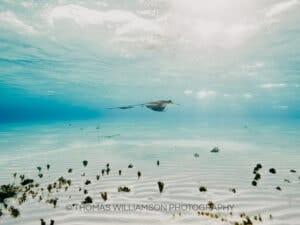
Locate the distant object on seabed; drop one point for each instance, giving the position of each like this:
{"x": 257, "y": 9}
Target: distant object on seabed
{"x": 111, "y": 136}
{"x": 215, "y": 150}
{"x": 158, "y": 106}
{"x": 272, "y": 170}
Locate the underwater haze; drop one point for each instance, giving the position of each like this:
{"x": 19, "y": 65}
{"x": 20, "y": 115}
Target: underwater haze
{"x": 86, "y": 90}
{"x": 66, "y": 60}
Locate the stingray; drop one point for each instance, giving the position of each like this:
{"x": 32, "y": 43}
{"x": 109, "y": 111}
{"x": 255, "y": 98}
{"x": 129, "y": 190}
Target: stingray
{"x": 158, "y": 106}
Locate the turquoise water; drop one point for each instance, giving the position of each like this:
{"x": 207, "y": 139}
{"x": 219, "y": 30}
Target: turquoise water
{"x": 66, "y": 60}
{"x": 234, "y": 71}
{"x": 232, "y": 68}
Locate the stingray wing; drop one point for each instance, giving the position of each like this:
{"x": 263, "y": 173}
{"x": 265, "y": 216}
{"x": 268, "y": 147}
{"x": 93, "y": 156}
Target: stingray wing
{"x": 124, "y": 107}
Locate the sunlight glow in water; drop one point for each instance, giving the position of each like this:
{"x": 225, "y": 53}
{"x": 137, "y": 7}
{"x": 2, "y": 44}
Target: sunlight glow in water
{"x": 233, "y": 58}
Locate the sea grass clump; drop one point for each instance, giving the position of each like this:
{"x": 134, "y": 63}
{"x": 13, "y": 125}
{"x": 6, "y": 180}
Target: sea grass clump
{"x": 160, "y": 186}
{"x": 22, "y": 177}
{"x": 104, "y": 196}
{"x": 53, "y": 201}
{"x": 233, "y": 190}
{"x": 211, "y": 205}
{"x": 202, "y": 189}
{"x": 87, "y": 200}
{"x": 278, "y": 188}
{"x": 247, "y": 221}
{"x": 123, "y": 189}
{"x": 107, "y": 170}
{"x": 257, "y": 176}
{"x": 85, "y": 163}
{"x": 13, "y": 212}
{"x": 63, "y": 182}
{"x": 258, "y": 165}
{"x": 8, "y": 191}
{"x": 87, "y": 182}
{"x": 27, "y": 181}
{"x": 49, "y": 188}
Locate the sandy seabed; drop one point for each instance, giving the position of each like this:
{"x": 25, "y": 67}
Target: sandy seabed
{"x": 182, "y": 173}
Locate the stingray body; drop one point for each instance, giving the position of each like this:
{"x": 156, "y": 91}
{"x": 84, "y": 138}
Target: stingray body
{"x": 158, "y": 106}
